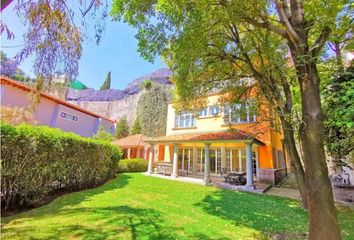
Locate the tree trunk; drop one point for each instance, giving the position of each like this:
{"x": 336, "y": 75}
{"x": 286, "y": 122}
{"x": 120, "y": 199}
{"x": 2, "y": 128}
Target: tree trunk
{"x": 323, "y": 220}
{"x": 290, "y": 145}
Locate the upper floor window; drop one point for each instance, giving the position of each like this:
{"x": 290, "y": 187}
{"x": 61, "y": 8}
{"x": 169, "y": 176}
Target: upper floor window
{"x": 69, "y": 116}
{"x": 213, "y": 110}
{"x": 203, "y": 113}
{"x": 184, "y": 120}
{"x": 240, "y": 113}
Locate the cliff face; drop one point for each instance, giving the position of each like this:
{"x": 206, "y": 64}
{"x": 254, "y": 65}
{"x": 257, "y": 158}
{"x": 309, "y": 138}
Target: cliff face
{"x": 115, "y": 103}
{"x": 116, "y": 109}
{"x": 160, "y": 76}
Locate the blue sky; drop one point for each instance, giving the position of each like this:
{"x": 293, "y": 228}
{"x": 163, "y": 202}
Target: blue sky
{"x": 117, "y": 53}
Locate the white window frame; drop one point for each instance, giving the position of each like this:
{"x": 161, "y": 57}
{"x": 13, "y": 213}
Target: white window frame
{"x": 204, "y": 112}
{"x": 184, "y": 122}
{"x": 229, "y": 112}
{"x": 216, "y": 107}
{"x": 207, "y": 112}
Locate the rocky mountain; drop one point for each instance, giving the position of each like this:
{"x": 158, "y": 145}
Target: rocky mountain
{"x": 160, "y": 76}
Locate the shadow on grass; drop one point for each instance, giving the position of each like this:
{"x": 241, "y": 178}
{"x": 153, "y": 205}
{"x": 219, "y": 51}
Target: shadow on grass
{"x": 106, "y": 222}
{"x": 267, "y": 214}
{"x": 118, "y": 222}
{"x": 72, "y": 199}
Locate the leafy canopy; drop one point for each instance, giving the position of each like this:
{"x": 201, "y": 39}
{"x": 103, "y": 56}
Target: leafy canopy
{"x": 204, "y": 42}
{"x": 338, "y": 102}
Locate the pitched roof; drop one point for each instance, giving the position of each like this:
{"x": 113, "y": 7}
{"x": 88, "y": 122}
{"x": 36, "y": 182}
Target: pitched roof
{"x": 137, "y": 140}
{"x": 206, "y": 137}
{"x": 8, "y": 81}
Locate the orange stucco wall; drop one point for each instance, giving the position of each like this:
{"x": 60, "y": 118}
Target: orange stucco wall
{"x": 262, "y": 129}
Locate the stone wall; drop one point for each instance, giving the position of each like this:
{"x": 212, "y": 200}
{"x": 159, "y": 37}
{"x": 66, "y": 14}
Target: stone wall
{"x": 343, "y": 194}
{"x": 114, "y": 110}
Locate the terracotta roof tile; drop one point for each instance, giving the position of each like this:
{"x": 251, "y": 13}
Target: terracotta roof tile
{"x": 131, "y": 141}
{"x": 205, "y": 137}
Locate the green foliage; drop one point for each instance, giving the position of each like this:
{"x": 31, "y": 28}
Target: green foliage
{"x": 103, "y": 135}
{"x": 132, "y": 165}
{"x": 152, "y": 110}
{"x": 147, "y": 84}
{"x": 107, "y": 83}
{"x": 338, "y": 105}
{"x": 122, "y": 129}
{"x": 37, "y": 161}
{"x": 136, "y": 128}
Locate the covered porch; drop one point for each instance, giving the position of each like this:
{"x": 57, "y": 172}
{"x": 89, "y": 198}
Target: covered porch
{"x": 133, "y": 146}
{"x": 207, "y": 156}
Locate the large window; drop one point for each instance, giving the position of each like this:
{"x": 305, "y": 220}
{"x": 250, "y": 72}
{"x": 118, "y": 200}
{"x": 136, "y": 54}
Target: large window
{"x": 240, "y": 113}
{"x": 210, "y": 111}
{"x": 236, "y": 160}
{"x": 184, "y": 120}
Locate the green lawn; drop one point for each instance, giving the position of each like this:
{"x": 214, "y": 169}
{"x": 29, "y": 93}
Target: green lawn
{"x": 134, "y": 206}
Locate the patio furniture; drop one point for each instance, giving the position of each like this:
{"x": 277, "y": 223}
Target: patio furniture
{"x": 223, "y": 172}
{"x": 164, "y": 168}
{"x": 236, "y": 178}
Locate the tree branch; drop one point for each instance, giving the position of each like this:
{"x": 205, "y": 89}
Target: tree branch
{"x": 88, "y": 9}
{"x": 289, "y": 28}
{"x": 321, "y": 40}
{"x": 267, "y": 25}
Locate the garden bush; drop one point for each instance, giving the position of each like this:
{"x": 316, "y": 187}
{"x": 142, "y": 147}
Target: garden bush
{"x": 133, "y": 165}
{"x": 38, "y": 161}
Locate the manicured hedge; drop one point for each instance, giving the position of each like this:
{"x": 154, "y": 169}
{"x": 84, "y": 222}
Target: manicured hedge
{"x": 37, "y": 161}
{"x": 133, "y": 165}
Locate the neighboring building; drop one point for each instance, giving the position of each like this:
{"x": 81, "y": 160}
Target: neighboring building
{"x": 205, "y": 146}
{"x": 55, "y": 112}
{"x": 133, "y": 146}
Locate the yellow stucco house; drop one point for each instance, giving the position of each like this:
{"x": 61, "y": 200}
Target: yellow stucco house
{"x": 220, "y": 139}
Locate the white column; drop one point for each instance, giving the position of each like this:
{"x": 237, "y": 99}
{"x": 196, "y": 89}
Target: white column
{"x": 223, "y": 158}
{"x": 128, "y": 153}
{"x": 240, "y": 160}
{"x": 249, "y": 167}
{"x": 175, "y": 161}
{"x": 194, "y": 160}
{"x": 207, "y": 165}
{"x": 150, "y": 168}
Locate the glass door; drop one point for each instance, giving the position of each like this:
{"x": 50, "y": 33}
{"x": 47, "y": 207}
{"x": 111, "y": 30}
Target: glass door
{"x": 184, "y": 160}
{"x": 215, "y": 161}
{"x": 200, "y": 162}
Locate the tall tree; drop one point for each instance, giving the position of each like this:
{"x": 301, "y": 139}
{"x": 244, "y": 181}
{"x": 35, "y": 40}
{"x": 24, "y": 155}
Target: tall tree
{"x": 136, "y": 128}
{"x": 189, "y": 34}
{"x": 122, "y": 130}
{"x": 107, "y": 83}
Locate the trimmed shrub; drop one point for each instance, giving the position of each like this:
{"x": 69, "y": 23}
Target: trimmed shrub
{"x": 133, "y": 165}
{"x": 37, "y": 161}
